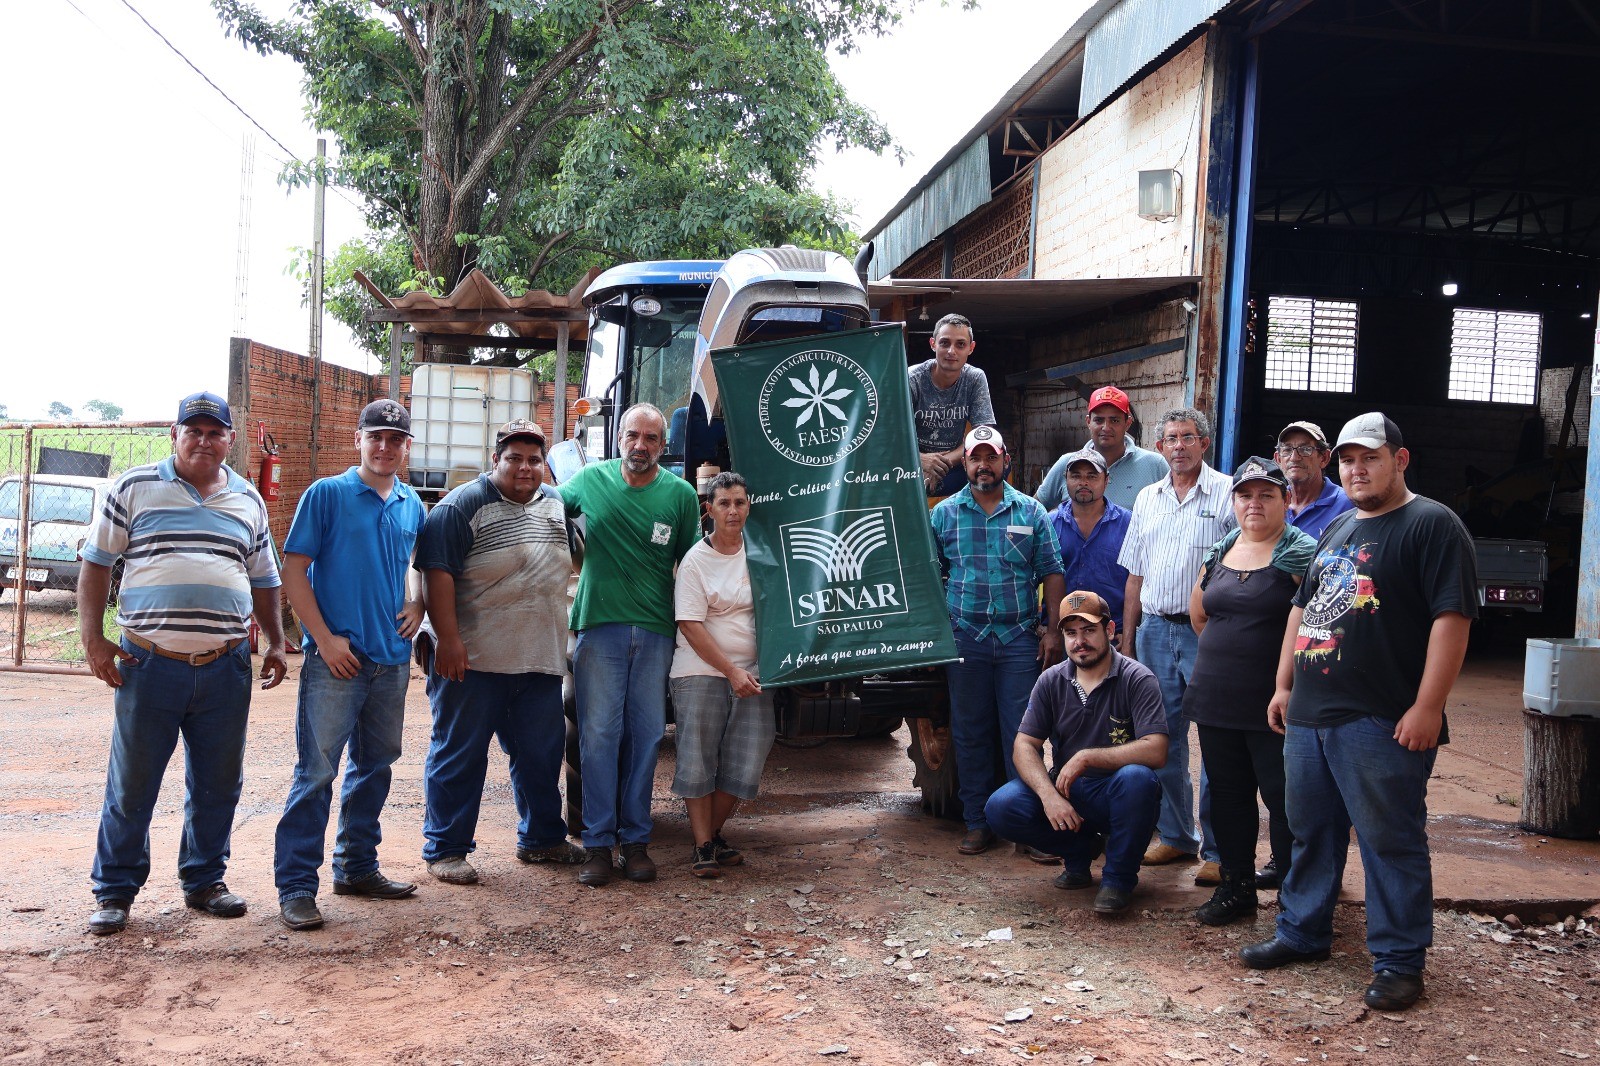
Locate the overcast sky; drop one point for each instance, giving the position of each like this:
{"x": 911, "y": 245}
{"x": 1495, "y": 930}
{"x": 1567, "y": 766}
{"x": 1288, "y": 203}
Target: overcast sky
{"x": 121, "y": 230}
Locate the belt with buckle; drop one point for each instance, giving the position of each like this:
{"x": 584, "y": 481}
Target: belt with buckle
{"x": 1177, "y": 619}
{"x": 198, "y": 658}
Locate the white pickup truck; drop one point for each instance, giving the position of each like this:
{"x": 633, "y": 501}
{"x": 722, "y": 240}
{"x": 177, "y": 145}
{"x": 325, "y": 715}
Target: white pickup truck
{"x": 61, "y": 506}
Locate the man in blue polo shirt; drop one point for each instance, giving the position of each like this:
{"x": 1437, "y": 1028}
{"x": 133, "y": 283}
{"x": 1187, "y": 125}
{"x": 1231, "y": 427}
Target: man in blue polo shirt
{"x": 197, "y": 561}
{"x": 1090, "y": 529}
{"x": 996, "y": 547}
{"x": 1314, "y": 499}
{"x": 346, "y": 562}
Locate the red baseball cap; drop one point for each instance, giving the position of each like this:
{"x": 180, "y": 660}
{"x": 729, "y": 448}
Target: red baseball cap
{"x": 1112, "y": 395}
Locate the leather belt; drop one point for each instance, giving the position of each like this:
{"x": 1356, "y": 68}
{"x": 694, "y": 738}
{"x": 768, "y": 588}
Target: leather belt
{"x": 1177, "y": 619}
{"x": 198, "y": 658}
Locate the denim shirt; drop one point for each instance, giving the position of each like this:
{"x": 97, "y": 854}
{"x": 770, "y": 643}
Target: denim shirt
{"x": 1092, "y": 563}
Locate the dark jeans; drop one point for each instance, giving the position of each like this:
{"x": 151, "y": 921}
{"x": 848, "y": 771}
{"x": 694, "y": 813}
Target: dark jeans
{"x": 524, "y": 711}
{"x": 1239, "y": 763}
{"x": 989, "y": 689}
{"x": 159, "y": 701}
{"x": 1121, "y": 807}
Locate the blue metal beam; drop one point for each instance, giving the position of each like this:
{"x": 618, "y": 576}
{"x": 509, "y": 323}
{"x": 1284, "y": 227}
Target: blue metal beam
{"x": 1589, "y": 550}
{"x": 1230, "y": 395}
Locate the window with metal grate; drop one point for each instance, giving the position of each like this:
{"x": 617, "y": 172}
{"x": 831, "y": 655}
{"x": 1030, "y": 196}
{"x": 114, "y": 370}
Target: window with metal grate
{"x": 1311, "y": 344}
{"x": 1494, "y": 355}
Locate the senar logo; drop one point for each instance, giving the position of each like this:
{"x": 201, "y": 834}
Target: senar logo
{"x": 816, "y": 407}
{"x": 837, "y": 575}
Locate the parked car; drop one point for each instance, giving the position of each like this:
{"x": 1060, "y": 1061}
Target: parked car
{"x": 61, "y": 506}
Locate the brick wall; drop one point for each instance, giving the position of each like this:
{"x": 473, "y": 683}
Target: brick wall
{"x": 1052, "y": 418}
{"x": 274, "y": 386}
{"x": 1088, "y": 223}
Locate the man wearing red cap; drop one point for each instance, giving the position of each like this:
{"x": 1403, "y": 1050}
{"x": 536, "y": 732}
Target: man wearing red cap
{"x": 1129, "y": 467}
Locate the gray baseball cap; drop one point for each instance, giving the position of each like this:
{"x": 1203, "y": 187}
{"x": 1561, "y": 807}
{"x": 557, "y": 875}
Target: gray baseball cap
{"x": 1087, "y": 454}
{"x": 1371, "y": 430}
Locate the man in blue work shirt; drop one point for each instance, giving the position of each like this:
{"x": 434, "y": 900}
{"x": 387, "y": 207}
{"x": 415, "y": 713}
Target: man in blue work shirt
{"x": 1314, "y": 499}
{"x": 996, "y": 547}
{"x": 1090, "y": 530}
{"x": 346, "y": 563}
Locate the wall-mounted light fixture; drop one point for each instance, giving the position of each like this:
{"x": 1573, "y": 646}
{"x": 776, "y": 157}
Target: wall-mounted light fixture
{"x": 1159, "y": 194}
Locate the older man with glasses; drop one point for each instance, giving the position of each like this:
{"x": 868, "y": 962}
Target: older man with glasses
{"x": 1314, "y": 498}
{"x": 1174, "y": 522}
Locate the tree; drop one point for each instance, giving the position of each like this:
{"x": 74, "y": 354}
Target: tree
{"x": 59, "y": 410}
{"x": 535, "y": 138}
{"x": 5, "y": 412}
{"x": 104, "y": 410}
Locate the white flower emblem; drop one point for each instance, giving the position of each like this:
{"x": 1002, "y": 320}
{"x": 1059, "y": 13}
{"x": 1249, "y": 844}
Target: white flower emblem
{"x": 816, "y": 398}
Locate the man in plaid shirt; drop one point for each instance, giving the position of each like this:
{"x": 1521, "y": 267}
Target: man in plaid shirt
{"x": 996, "y": 546}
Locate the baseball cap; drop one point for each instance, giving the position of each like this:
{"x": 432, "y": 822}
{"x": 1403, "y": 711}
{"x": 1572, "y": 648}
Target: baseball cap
{"x": 1087, "y": 454}
{"x": 987, "y": 436}
{"x": 385, "y": 414}
{"x": 1371, "y": 430}
{"x": 1112, "y": 395}
{"x": 518, "y": 427}
{"x": 1305, "y": 427}
{"x": 204, "y": 405}
{"x": 1088, "y": 606}
{"x": 1256, "y": 468}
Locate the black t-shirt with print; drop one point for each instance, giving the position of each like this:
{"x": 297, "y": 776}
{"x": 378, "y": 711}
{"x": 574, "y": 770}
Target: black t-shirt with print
{"x": 1370, "y": 598}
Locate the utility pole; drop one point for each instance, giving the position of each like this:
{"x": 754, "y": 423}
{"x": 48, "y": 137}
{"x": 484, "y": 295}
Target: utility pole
{"x": 314, "y": 349}
{"x": 241, "y": 269}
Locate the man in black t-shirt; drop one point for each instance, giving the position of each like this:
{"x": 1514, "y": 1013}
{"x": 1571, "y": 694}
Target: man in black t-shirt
{"x": 1375, "y": 639}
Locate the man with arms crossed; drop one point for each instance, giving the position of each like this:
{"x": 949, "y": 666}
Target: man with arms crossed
{"x": 1375, "y": 639}
{"x": 496, "y": 557}
{"x": 1129, "y": 467}
{"x": 346, "y": 567}
{"x": 1102, "y": 714}
{"x": 641, "y": 521}
{"x": 947, "y": 395}
{"x": 197, "y": 561}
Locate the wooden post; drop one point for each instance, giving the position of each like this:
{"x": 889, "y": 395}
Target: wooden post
{"x": 1561, "y": 775}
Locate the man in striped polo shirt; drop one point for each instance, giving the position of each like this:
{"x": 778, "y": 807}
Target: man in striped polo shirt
{"x": 1174, "y": 521}
{"x": 197, "y": 561}
{"x": 996, "y": 547}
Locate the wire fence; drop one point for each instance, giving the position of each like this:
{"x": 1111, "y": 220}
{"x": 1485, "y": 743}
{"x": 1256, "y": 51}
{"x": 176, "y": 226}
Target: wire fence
{"x": 53, "y": 481}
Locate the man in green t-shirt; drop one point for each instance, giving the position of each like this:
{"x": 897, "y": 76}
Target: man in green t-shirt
{"x": 641, "y": 521}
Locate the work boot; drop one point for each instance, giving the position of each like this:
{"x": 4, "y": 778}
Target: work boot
{"x": 1234, "y": 898}
{"x": 596, "y": 869}
{"x": 637, "y": 865}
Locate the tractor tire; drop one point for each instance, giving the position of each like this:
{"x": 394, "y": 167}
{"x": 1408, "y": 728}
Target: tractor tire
{"x": 934, "y": 757}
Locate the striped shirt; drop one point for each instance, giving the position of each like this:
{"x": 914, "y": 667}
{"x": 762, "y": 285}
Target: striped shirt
{"x": 188, "y": 563}
{"x": 994, "y": 562}
{"x": 1168, "y": 538}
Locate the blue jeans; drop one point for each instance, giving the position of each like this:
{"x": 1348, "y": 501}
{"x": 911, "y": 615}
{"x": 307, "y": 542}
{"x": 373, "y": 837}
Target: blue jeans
{"x": 524, "y": 711}
{"x": 366, "y": 713}
{"x": 1169, "y": 649}
{"x": 160, "y": 700}
{"x": 621, "y": 675}
{"x": 989, "y": 689}
{"x": 1119, "y": 807}
{"x": 1357, "y": 775}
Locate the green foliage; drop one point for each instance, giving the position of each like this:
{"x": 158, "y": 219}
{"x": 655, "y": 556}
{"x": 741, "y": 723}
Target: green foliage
{"x": 104, "y": 410}
{"x": 536, "y": 138}
{"x": 5, "y": 412}
{"x": 59, "y": 410}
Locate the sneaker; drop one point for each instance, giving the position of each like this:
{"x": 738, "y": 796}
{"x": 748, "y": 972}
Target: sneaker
{"x": 727, "y": 854}
{"x": 454, "y": 870}
{"x": 565, "y": 853}
{"x": 1271, "y": 875}
{"x": 1234, "y": 898}
{"x": 637, "y": 865}
{"x": 704, "y": 863}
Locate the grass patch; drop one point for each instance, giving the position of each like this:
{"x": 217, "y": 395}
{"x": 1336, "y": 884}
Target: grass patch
{"x": 128, "y": 446}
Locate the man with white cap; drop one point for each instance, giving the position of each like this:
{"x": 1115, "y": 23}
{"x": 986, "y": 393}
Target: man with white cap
{"x": 1375, "y": 639}
{"x": 346, "y": 564}
{"x": 1314, "y": 500}
{"x": 497, "y": 557}
{"x": 1129, "y": 467}
{"x": 996, "y": 547}
{"x": 1102, "y": 713}
{"x": 1090, "y": 529}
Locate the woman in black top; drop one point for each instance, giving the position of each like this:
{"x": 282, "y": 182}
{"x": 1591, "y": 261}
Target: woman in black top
{"x": 1239, "y": 606}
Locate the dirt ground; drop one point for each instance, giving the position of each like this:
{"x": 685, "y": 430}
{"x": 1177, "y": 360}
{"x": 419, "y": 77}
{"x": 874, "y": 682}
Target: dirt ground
{"x": 855, "y": 931}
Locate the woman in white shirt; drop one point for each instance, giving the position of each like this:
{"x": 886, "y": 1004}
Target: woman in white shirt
{"x": 725, "y": 722}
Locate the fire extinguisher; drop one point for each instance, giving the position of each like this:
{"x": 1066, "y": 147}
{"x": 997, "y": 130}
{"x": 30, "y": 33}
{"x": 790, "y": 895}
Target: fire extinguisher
{"x": 270, "y": 481}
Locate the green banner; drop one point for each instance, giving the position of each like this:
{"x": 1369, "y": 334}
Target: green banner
{"x": 842, "y": 562}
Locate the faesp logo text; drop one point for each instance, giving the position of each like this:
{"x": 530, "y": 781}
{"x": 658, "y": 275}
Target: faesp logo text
{"x": 816, "y": 407}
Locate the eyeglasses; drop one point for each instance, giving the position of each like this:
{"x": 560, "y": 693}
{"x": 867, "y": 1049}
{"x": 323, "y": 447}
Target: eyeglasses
{"x": 1304, "y": 451}
{"x": 1188, "y": 440}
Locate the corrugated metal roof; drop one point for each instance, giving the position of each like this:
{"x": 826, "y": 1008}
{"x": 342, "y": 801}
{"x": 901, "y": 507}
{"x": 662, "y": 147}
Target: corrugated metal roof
{"x": 1129, "y": 36}
{"x": 955, "y": 192}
